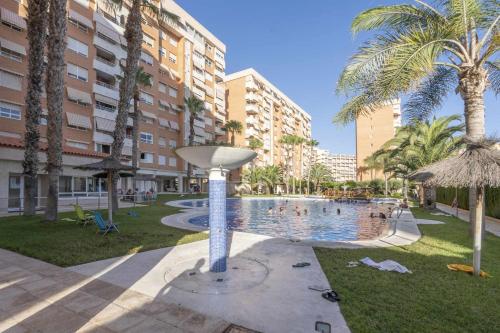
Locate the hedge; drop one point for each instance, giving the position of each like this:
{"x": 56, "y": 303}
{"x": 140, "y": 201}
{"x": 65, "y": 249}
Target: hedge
{"x": 446, "y": 196}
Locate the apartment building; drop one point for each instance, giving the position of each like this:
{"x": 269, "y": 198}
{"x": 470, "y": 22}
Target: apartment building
{"x": 267, "y": 114}
{"x": 372, "y": 131}
{"x": 342, "y": 167}
{"x": 183, "y": 59}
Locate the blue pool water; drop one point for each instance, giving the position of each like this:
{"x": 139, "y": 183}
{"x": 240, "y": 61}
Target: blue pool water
{"x": 321, "y": 221}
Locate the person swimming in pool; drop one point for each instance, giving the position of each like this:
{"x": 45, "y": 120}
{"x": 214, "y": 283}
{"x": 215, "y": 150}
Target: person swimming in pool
{"x": 305, "y": 211}
{"x": 382, "y": 216}
{"x": 338, "y": 211}
{"x": 324, "y": 210}
{"x": 270, "y": 210}
{"x": 281, "y": 210}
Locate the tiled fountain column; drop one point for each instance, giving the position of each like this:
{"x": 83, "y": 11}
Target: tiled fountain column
{"x": 217, "y": 219}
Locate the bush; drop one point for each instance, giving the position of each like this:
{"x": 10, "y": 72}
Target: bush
{"x": 446, "y": 196}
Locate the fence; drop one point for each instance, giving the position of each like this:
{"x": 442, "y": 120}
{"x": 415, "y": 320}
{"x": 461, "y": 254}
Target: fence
{"x": 11, "y": 206}
{"x": 446, "y": 196}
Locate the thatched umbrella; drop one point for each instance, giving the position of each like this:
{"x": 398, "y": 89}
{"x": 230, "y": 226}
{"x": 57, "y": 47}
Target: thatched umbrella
{"x": 477, "y": 167}
{"x": 109, "y": 165}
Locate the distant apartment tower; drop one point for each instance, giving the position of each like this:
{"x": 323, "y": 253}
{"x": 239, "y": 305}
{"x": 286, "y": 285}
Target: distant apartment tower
{"x": 267, "y": 114}
{"x": 372, "y": 131}
{"x": 183, "y": 58}
{"x": 342, "y": 167}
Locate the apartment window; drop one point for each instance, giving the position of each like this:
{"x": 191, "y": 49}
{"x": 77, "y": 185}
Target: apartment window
{"x": 208, "y": 62}
{"x": 148, "y": 40}
{"x": 12, "y": 20}
{"x": 11, "y": 80}
{"x": 146, "y": 137}
{"x": 162, "y": 87}
{"x": 104, "y": 106}
{"x": 163, "y": 52}
{"x": 172, "y": 92}
{"x": 76, "y": 144}
{"x": 103, "y": 148}
{"x": 11, "y": 111}
{"x": 163, "y": 35}
{"x": 173, "y": 42}
{"x": 146, "y": 98}
{"x": 147, "y": 58}
{"x": 162, "y": 142}
{"x": 79, "y": 25}
{"x": 12, "y": 50}
{"x": 172, "y": 161}
{"x": 209, "y": 47}
{"x": 162, "y": 160}
{"x": 172, "y": 144}
{"x": 78, "y": 47}
{"x": 172, "y": 57}
{"x": 77, "y": 72}
{"x": 147, "y": 157}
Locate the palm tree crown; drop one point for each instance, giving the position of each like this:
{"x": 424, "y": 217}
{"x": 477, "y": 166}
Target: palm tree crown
{"x": 233, "y": 126}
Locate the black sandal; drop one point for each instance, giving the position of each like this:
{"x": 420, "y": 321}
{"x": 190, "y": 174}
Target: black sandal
{"x": 301, "y": 264}
{"x": 331, "y": 296}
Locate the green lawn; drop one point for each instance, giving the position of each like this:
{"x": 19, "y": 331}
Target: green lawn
{"x": 67, "y": 243}
{"x": 432, "y": 299}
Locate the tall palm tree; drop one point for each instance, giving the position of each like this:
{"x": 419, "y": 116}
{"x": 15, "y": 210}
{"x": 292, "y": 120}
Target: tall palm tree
{"x": 254, "y": 144}
{"x": 233, "y": 126}
{"x": 312, "y": 143}
{"x": 142, "y": 79}
{"x": 133, "y": 35}
{"x": 295, "y": 141}
{"x": 319, "y": 173}
{"x": 286, "y": 141}
{"x": 427, "y": 51}
{"x": 55, "y": 96}
{"x": 37, "y": 25}
{"x": 195, "y": 106}
{"x": 272, "y": 175}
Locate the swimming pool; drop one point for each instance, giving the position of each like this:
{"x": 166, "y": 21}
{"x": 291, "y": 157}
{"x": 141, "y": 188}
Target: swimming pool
{"x": 303, "y": 219}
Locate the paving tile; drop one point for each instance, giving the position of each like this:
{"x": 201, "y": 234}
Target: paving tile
{"x": 38, "y": 285}
{"x": 153, "y": 326}
{"x": 79, "y": 302}
{"x": 91, "y": 327}
{"x": 174, "y": 314}
{"x": 117, "y": 318}
{"x": 55, "y": 319}
{"x": 199, "y": 323}
{"x": 132, "y": 300}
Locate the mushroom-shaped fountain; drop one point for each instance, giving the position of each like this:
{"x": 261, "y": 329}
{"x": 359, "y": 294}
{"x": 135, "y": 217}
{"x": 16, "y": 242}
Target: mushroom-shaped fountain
{"x": 218, "y": 160}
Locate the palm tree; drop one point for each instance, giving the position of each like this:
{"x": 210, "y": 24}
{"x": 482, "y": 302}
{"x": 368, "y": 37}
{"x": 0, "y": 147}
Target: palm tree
{"x": 312, "y": 143}
{"x": 319, "y": 173}
{"x": 272, "y": 175}
{"x": 195, "y": 107}
{"x": 142, "y": 79}
{"x": 427, "y": 51}
{"x": 286, "y": 141}
{"x": 55, "y": 96}
{"x": 37, "y": 24}
{"x": 294, "y": 141}
{"x": 254, "y": 144}
{"x": 233, "y": 126}
{"x": 133, "y": 35}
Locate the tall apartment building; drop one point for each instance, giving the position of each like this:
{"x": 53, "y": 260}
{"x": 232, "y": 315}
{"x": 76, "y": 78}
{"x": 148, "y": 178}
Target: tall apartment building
{"x": 183, "y": 58}
{"x": 372, "y": 131}
{"x": 267, "y": 114}
{"x": 342, "y": 167}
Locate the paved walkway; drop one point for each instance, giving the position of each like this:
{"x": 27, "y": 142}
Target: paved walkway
{"x": 40, "y": 297}
{"x": 492, "y": 224}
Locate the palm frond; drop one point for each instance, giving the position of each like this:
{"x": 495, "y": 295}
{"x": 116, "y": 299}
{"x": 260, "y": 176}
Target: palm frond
{"x": 357, "y": 106}
{"x": 493, "y": 68}
{"x": 429, "y": 95}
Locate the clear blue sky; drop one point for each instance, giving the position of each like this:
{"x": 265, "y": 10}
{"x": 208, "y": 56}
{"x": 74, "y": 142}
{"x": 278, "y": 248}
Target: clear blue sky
{"x": 302, "y": 47}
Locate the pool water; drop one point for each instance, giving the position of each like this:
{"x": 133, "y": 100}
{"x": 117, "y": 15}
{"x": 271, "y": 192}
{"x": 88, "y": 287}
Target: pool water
{"x": 303, "y": 219}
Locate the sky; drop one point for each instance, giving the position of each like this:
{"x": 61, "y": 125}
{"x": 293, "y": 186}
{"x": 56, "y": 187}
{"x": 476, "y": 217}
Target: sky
{"x": 302, "y": 47}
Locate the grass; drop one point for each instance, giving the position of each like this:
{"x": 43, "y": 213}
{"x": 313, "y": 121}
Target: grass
{"x": 432, "y": 299}
{"x": 66, "y": 243}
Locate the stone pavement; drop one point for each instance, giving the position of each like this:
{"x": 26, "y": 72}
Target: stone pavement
{"x": 492, "y": 224}
{"x": 39, "y": 297}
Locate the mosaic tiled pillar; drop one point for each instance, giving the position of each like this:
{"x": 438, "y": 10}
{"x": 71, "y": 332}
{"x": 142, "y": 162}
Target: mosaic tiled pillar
{"x": 217, "y": 219}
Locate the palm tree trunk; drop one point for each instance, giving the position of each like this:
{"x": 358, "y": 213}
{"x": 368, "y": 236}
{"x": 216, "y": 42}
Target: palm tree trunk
{"x": 472, "y": 85}
{"x": 405, "y": 188}
{"x": 232, "y": 138}
{"x": 55, "y": 96}
{"x": 386, "y": 184}
{"x": 135, "y": 139}
{"x": 37, "y": 25}
{"x": 133, "y": 34}
{"x": 190, "y": 143}
{"x": 293, "y": 170}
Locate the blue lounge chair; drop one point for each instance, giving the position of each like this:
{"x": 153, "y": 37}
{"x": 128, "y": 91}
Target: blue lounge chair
{"x": 103, "y": 225}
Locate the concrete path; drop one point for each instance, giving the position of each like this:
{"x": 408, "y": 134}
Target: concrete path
{"x": 492, "y": 224}
{"x": 40, "y": 297}
{"x": 270, "y": 296}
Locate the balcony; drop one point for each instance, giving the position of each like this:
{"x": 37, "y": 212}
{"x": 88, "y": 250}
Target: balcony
{"x": 250, "y": 132}
{"x": 219, "y": 74}
{"x": 116, "y": 49}
{"x": 199, "y": 93}
{"x": 199, "y": 46}
{"x": 209, "y": 91}
{"x": 252, "y": 121}
{"x": 251, "y": 86}
{"x": 106, "y": 66}
{"x": 252, "y": 109}
{"x": 105, "y": 89}
{"x": 220, "y": 117}
{"x": 219, "y": 131}
{"x": 199, "y": 76}
{"x": 199, "y": 123}
{"x": 200, "y": 63}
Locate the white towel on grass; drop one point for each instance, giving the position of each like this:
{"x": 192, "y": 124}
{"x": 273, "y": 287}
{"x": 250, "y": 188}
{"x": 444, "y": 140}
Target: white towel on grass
{"x": 386, "y": 265}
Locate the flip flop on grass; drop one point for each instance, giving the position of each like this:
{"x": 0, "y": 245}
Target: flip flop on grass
{"x": 301, "y": 264}
{"x": 331, "y": 296}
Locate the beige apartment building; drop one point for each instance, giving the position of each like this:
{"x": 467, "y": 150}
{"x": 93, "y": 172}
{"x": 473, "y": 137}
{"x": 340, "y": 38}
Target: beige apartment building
{"x": 342, "y": 167}
{"x": 372, "y": 131}
{"x": 183, "y": 59}
{"x": 267, "y": 114}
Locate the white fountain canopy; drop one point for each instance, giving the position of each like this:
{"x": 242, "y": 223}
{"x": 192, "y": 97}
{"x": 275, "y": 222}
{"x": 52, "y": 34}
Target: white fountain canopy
{"x": 208, "y": 157}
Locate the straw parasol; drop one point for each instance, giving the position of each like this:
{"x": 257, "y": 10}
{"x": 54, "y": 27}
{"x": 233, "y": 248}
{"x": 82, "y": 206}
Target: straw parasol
{"x": 476, "y": 167}
{"x": 109, "y": 165}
